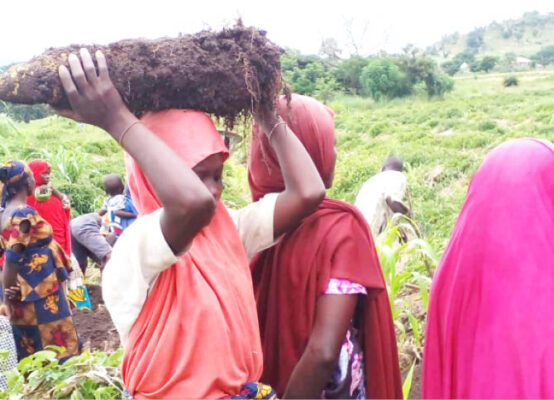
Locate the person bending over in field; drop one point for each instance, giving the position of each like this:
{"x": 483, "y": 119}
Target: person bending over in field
{"x": 178, "y": 285}
{"x": 325, "y": 318}
{"x": 115, "y": 209}
{"x": 489, "y": 331}
{"x": 381, "y": 195}
{"x": 39, "y": 310}
{"x": 87, "y": 241}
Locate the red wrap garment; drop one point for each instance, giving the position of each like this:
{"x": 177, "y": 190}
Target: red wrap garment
{"x": 52, "y": 209}
{"x": 332, "y": 242}
{"x": 197, "y": 334}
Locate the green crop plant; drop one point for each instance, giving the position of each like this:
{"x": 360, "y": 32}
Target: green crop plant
{"x": 90, "y": 375}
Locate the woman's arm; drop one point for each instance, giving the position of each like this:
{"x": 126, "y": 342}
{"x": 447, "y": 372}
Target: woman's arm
{"x": 9, "y": 281}
{"x": 304, "y": 189}
{"x": 64, "y": 198}
{"x": 187, "y": 204}
{"x": 314, "y": 370}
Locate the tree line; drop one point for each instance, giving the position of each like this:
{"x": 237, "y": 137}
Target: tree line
{"x": 382, "y": 76}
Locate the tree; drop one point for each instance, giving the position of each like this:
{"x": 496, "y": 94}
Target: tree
{"x": 475, "y": 66}
{"x": 383, "y": 78}
{"x": 451, "y": 67}
{"x": 545, "y": 56}
{"x": 355, "y": 37}
{"x": 25, "y": 113}
{"x": 509, "y": 60}
{"x": 348, "y": 74}
{"x": 488, "y": 63}
{"x": 307, "y": 74}
{"x": 330, "y": 50}
{"x": 475, "y": 40}
{"x": 419, "y": 67}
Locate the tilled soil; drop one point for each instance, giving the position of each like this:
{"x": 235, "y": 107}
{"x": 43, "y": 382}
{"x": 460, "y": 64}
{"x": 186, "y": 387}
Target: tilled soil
{"x": 95, "y": 328}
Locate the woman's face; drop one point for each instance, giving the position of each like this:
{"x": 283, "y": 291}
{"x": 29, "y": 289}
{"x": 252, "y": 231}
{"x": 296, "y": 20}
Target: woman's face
{"x": 45, "y": 176}
{"x": 210, "y": 172}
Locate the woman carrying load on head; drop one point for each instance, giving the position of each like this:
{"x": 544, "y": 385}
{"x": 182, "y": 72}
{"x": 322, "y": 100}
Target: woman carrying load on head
{"x": 39, "y": 311}
{"x": 54, "y": 207}
{"x": 325, "y": 317}
{"x": 178, "y": 285}
{"x": 489, "y": 331}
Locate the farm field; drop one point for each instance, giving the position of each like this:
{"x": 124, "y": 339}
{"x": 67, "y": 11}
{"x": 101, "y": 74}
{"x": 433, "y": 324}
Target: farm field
{"x": 442, "y": 142}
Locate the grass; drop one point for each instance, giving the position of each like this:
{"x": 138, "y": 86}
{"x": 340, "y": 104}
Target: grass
{"x": 442, "y": 141}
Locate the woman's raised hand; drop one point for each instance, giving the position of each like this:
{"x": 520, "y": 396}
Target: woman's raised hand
{"x": 92, "y": 95}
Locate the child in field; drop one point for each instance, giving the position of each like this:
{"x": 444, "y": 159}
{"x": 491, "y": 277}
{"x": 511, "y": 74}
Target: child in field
{"x": 116, "y": 212}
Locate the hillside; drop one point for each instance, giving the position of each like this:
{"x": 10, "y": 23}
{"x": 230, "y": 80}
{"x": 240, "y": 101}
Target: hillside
{"x": 524, "y": 37}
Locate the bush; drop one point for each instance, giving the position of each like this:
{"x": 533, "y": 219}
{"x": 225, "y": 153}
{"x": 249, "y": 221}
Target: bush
{"x": 487, "y": 125}
{"x": 545, "y": 56}
{"x": 306, "y": 74}
{"x": 511, "y": 81}
{"x": 488, "y": 63}
{"x": 84, "y": 197}
{"x": 348, "y": 74}
{"x": 420, "y": 68}
{"x": 383, "y": 78}
{"x": 451, "y": 67}
{"x": 475, "y": 39}
{"x": 25, "y": 113}
{"x": 439, "y": 85}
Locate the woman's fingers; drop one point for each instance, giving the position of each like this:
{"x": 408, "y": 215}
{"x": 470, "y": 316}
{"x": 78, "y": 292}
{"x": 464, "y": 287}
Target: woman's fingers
{"x": 69, "y": 86}
{"x": 102, "y": 65}
{"x": 88, "y": 66}
{"x": 77, "y": 73}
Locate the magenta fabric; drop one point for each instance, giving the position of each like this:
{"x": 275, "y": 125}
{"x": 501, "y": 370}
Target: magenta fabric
{"x": 490, "y": 329}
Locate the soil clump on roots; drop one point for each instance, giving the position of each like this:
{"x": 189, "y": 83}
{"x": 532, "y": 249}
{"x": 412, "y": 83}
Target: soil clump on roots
{"x": 223, "y": 73}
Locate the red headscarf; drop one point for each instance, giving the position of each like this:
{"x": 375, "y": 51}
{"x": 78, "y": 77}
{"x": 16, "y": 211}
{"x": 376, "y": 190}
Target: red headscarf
{"x": 197, "y": 335}
{"x": 313, "y": 123}
{"x": 332, "y": 242}
{"x": 52, "y": 209}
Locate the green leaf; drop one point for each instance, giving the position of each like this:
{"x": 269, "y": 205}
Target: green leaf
{"x": 77, "y": 395}
{"x": 407, "y": 385}
{"x": 414, "y": 323}
{"x": 58, "y": 349}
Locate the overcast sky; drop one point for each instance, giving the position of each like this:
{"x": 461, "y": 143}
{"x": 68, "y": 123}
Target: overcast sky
{"x": 30, "y": 26}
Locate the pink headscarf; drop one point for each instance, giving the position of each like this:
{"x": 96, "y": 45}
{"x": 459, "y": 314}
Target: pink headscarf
{"x": 489, "y": 330}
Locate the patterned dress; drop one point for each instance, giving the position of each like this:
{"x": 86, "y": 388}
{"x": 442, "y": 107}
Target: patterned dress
{"x": 348, "y": 379}
{"x": 43, "y": 316}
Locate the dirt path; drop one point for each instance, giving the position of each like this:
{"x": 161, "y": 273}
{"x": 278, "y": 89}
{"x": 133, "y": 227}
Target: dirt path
{"x": 95, "y": 328}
